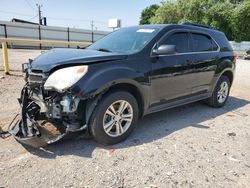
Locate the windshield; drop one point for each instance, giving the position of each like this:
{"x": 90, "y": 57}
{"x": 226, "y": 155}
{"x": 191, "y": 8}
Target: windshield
{"x": 126, "y": 40}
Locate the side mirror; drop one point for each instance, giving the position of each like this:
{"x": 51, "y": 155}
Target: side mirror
{"x": 165, "y": 50}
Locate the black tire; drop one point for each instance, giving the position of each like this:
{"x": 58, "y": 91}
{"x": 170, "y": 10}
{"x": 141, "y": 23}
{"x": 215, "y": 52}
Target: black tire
{"x": 96, "y": 120}
{"x": 213, "y": 100}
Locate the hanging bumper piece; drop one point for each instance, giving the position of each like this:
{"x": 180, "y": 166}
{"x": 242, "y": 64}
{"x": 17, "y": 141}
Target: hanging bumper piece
{"x": 34, "y": 128}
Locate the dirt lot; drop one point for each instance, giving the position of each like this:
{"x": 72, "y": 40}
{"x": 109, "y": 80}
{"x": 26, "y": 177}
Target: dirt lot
{"x": 189, "y": 146}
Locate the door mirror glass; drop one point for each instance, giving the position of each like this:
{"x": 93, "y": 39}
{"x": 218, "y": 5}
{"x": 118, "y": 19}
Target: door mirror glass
{"x": 165, "y": 50}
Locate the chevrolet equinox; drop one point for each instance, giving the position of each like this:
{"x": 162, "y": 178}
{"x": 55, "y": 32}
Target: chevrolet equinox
{"x": 103, "y": 89}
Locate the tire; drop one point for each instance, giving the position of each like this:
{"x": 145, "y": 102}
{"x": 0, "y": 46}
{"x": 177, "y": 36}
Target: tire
{"x": 103, "y": 116}
{"x": 215, "y": 100}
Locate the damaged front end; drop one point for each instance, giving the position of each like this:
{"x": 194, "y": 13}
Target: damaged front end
{"x": 47, "y": 116}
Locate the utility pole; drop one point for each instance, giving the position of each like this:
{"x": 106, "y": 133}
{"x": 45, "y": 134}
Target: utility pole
{"x": 92, "y": 29}
{"x": 40, "y": 22}
{"x": 92, "y": 25}
{"x": 39, "y": 14}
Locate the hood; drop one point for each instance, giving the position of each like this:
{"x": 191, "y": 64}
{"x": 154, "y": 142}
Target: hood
{"x": 56, "y": 57}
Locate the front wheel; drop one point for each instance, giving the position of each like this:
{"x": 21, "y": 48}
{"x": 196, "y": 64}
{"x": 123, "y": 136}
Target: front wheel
{"x": 114, "y": 118}
{"x": 221, "y": 93}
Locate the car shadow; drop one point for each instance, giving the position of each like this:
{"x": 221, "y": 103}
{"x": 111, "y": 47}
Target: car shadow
{"x": 151, "y": 128}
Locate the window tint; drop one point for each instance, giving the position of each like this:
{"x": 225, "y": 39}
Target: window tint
{"x": 180, "y": 40}
{"x": 202, "y": 43}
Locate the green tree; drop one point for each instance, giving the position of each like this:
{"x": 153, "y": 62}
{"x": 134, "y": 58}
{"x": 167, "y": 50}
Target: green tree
{"x": 230, "y": 16}
{"x": 220, "y": 16}
{"x": 182, "y": 11}
{"x": 194, "y": 10}
{"x": 241, "y": 22}
{"x": 236, "y": 1}
{"x": 148, "y": 13}
{"x": 167, "y": 13}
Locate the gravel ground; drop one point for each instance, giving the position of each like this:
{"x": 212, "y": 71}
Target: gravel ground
{"x": 190, "y": 146}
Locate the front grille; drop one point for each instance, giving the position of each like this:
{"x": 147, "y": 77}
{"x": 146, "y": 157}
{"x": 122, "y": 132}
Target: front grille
{"x": 36, "y": 78}
{"x": 37, "y": 71}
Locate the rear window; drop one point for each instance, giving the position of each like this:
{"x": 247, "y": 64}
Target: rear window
{"x": 223, "y": 42}
{"x": 203, "y": 43}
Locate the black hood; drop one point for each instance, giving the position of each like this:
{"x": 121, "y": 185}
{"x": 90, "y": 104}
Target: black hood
{"x": 56, "y": 57}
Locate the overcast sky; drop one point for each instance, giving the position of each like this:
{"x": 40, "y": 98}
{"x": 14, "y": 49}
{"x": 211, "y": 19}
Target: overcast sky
{"x": 76, "y": 13}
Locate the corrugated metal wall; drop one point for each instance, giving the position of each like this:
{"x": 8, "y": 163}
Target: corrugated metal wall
{"x": 241, "y": 46}
{"x": 29, "y": 31}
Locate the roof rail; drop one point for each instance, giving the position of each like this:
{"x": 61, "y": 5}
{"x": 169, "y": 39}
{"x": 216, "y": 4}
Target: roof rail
{"x": 198, "y": 25}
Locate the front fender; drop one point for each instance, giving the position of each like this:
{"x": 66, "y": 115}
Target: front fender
{"x": 106, "y": 77}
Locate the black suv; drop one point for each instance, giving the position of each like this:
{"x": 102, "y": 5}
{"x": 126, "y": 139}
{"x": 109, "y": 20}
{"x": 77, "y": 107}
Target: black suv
{"x": 103, "y": 89}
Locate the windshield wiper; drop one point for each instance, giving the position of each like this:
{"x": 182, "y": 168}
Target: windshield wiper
{"x": 103, "y": 50}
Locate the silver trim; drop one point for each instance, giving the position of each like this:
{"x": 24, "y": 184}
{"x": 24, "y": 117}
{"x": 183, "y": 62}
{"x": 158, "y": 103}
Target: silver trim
{"x": 189, "y": 32}
{"x": 118, "y": 118}
{"x": 223, "y": 92}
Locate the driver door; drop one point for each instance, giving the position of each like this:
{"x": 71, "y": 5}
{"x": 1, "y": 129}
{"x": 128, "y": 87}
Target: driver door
{"x": 171, "y": 77}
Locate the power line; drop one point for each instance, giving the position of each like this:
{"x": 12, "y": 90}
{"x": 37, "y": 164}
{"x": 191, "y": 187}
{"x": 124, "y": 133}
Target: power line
{"x": 98, "y": 22}
{"x": 21, "y": 14}
{"x": 25, "y": 15}
{"x": 72, "y": 19}
{"x": 55, "y": 18}
{"x": 69, "y": 19}
{"x": 28, "y": 3}
{"x": 33, "y": 17}
{"x": 102, "y": 22}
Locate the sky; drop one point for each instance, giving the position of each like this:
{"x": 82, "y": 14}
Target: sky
{"x": 76, "y": 13}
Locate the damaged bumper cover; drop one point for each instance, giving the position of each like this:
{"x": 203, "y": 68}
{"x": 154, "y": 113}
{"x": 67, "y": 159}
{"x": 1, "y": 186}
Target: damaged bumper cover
{"x": 47, "y": 117}
{"x": 37, "y": 139}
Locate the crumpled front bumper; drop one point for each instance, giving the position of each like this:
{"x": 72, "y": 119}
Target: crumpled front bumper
{"x": 41, "y": 136}
{"x": 37, "y": 133}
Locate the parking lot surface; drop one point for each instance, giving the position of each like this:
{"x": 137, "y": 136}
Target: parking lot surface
{"x": 189, "y": 146}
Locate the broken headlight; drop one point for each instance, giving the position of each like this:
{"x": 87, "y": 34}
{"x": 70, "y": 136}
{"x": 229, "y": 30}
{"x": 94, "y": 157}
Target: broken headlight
{"x": 64, "y": 78}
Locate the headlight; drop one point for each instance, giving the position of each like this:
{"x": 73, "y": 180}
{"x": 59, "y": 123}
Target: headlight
{"x": 65, "y": 78}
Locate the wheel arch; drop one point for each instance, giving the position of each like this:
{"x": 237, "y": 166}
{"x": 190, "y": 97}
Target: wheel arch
{"x": 229, "y": 74}
{"x": 133, "y": 90}
{"x": 92, "y": 103}
{"x": 129, "y": 86}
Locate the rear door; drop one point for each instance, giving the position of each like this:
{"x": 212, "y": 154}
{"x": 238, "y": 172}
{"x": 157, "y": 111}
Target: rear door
{"x": 204, "y": 58}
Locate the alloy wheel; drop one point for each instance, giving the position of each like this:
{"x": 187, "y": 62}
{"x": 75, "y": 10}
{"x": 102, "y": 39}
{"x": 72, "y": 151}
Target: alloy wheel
{"x": 118, "y": 118}
{"x": 223, "y": 92}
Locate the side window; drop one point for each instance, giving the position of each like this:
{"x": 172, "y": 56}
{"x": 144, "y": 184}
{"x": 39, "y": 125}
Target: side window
{"x": 202, "y": 43}
{"x": 180, "y": 40}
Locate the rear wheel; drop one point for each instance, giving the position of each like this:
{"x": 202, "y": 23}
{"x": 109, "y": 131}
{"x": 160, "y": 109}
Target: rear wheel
{"x": 114, "y": 118}
{"x": 221, "y": 92}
